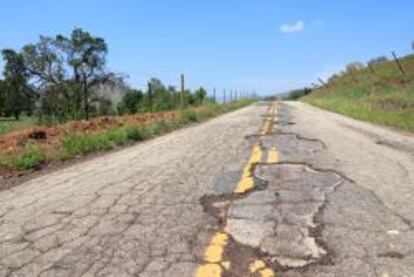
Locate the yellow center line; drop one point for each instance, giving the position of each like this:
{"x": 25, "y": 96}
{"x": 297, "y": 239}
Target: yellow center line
{"x": 260, "y": 267}
{"x": 273, "y": 155}
{"x": 213, "y": 255}
{"x": 246, "y": 182}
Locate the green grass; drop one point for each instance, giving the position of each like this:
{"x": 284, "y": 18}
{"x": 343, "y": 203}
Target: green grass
{"x": 8, "y": 125}
{"x": 76, "y": 144}
{"x": 32, "y": 157}
{"x": 374, "y": 98}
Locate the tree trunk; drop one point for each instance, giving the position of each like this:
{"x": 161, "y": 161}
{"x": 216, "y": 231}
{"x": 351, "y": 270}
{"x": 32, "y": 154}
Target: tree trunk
{"x": 16, "y": 102}
{"x": 85, "y": 100}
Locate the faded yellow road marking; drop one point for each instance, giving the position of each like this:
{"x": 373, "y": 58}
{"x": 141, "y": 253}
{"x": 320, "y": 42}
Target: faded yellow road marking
{"x": 268, "y": 124}
{"x": 256, "y": 265}
{"x": 267, "y": 272}
{"x": 246, "y": 182}
{"x": 273, "y": 155}
{"x": 260, "y": 266}
{"x": 209, "y": 270}
{"x": 214, "y": 252}
{"x": 213, "y": 255}
{"x": 226, "y": 264}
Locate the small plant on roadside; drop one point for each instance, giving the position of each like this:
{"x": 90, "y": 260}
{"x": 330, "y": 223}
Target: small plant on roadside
{"x": 31, "y": 158}
{"x": 136, "y": 133}
{"x": 188, "y": 116}
{"x": 118, "y": 136}
{"x": 77, "y": 144}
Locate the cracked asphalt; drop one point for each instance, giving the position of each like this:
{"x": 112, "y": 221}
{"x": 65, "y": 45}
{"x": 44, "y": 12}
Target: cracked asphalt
{"x": 270, "y": 190}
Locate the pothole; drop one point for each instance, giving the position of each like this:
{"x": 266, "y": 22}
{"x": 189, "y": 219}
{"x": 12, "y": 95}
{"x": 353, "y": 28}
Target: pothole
{"x": 277, "y": 220}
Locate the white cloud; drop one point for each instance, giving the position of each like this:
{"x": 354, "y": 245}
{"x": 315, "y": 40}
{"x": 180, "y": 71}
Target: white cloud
{"x": 295, "y": 27}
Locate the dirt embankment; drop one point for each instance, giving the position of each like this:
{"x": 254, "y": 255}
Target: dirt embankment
{"x": 51, "y": 137}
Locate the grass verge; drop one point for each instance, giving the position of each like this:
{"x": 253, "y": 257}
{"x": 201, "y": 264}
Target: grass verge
{"x": 384, "y": 97}
{"x": 385, "y": 105}
{"x": 10, "y": 124}
{"x": 82, "y": 143}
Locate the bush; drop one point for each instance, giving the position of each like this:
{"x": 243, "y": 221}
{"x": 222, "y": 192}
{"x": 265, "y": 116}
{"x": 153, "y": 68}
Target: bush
{"x": 136, "y": 133}
{"x": 118, "y": 136}
{"x": 85, "y": 143}
{"x": 188, "y": 116}
{"x": 32, "y": 157}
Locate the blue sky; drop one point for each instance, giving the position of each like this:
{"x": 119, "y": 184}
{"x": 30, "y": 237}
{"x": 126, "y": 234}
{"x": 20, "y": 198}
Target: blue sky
{"x": 269, "y": 46}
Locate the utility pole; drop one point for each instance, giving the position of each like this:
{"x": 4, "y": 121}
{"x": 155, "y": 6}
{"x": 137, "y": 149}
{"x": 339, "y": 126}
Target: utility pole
{"x": 236, "y": 96}
{"x": 231, "y": 96}
{"x": 182, "y": 91}
{"x": 224, "y": 96}
{"x": 150, "y": 95}
{"x": 214, "y": 94}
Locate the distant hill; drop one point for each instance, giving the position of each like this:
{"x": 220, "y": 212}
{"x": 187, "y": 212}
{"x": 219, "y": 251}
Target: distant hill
{"x": 378, "y": 92}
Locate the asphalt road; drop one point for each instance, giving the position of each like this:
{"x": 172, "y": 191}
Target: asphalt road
{"x": 269, "y": 190}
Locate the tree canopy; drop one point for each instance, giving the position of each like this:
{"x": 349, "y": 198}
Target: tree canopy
{"x": 16, "y": 94}
{"x": 62, "y": 78}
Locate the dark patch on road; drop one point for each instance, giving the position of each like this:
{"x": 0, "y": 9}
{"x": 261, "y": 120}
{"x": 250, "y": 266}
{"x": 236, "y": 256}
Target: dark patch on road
{"x": 396, "y": 145}
{"x": 391, "y": 254}
{"x": 381, "y": 140}
{"x": 284, "y": 123}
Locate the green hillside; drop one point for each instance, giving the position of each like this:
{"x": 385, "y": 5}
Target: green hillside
{"x": 379, "y": 93}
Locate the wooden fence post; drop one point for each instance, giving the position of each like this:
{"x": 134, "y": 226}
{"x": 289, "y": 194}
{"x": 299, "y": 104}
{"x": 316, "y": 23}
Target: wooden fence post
{"x": 182, "y": 91}
{"x": 397, "y": 61}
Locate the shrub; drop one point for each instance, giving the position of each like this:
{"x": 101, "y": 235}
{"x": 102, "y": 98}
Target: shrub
{"x": 118, "y": 136}
{"x": 188, "y": 116}
{"x": 137, "y": 133}
{"x": 85, "y": 143}
{"x": 32, "y": 157}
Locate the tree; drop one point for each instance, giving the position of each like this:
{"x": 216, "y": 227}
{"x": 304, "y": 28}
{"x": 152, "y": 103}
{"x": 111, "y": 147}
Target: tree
{"x": 45, "y": 66}
{"x": 354, "y": 66}
{"x": 378, "y": 60}
{"x": 67, "y": 69}
{"x": 2, "y": 97}
{"x": 18, "y": 95}
{"x": 158, "y": 97}
{"x": 200, "y": 96}
{"x": 131, "y": 101}
{"x": 86, "y": 56}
